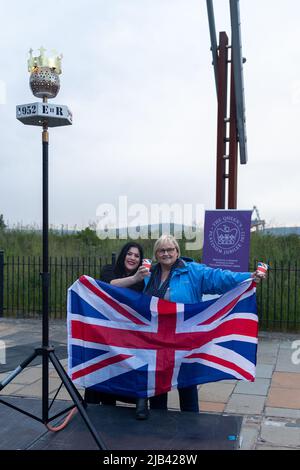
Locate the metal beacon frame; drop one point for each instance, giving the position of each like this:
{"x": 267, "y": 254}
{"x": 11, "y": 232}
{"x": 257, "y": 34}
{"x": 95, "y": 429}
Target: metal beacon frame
{"x": 234, "y": 136}
{"x": 44, "y": 83}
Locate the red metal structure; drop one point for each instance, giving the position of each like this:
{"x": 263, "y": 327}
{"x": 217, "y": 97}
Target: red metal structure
{"x": 227, "y": 143}
{"x": 231, "y": 132}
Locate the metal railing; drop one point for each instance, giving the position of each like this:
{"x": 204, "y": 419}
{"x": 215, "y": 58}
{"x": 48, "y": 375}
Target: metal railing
{"x": 278, "y": 297}
{"x": 21, "y": 286}
{"x": 21, "y": 291}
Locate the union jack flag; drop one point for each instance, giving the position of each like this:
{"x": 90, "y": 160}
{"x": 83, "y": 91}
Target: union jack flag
{"x": 127, "y": 343}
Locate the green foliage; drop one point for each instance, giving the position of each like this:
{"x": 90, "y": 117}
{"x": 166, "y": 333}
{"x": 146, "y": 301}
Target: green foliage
{"x": 88, "y": 237}
{"x": 2, "y": 223}
{"x": 272, "y": 248}
{"x": 19, "y": 242}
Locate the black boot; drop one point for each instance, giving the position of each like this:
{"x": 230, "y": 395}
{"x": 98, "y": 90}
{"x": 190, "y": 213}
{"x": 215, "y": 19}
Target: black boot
{"x": 141, "y": 411}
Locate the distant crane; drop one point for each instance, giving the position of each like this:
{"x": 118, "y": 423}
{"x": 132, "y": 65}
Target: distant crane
{"x": 257, "y": 224}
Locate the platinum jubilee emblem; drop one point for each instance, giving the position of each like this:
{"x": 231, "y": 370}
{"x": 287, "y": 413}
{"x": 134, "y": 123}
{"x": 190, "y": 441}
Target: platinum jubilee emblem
{"x": 227, "y": 239}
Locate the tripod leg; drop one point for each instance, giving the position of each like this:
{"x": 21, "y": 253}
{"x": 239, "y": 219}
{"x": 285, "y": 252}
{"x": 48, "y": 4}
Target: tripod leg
{"x": 45, "y": 387}
{"x": 74, "y": 394}
{"x": 18, "y": 370}
{"x": 66, "y": 377}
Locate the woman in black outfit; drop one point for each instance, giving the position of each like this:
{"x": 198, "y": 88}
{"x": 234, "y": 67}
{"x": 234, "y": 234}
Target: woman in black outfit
{"x": 127, "y": 272}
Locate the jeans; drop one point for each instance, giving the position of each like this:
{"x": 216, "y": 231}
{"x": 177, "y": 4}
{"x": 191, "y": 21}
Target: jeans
{"x": 96, "y": 397}
{"x": 188, "y": 398}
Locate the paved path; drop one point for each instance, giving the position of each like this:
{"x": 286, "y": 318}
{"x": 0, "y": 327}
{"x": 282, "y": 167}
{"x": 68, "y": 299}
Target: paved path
{"x": 270, "y": 406}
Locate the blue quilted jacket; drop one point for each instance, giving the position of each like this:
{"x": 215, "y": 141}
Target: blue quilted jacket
{"x": 191, "y": 280}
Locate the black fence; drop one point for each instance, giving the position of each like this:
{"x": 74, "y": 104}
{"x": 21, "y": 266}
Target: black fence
{"x": 21, "y": 286}
{"x": 21, "y": 291}
{"x": 278, "y": 297}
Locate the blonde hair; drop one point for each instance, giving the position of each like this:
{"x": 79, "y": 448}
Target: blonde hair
{"x": 162, "y": 240}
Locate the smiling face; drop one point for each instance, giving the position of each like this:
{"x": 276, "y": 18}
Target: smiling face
{"x": 166, "y": 254}
{"x": 132, "y": 259}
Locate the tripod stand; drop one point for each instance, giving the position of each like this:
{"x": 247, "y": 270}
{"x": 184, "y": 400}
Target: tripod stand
{"x": 46, "y": 351}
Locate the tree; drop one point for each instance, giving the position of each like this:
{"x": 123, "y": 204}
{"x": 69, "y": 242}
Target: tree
{"x": 88, "y": 237}
{"x": 2, "y": 223}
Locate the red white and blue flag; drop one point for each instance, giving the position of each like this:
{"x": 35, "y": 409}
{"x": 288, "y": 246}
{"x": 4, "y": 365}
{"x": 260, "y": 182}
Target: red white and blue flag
{"x": 128, "y": 343}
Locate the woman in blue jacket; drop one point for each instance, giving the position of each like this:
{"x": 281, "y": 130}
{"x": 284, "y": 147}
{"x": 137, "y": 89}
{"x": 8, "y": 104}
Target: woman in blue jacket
{"x": 177, "y": 280}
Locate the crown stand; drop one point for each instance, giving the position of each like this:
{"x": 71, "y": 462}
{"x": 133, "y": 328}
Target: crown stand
{"x": 44, "y": 83}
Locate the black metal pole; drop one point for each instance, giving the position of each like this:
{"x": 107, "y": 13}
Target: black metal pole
{"x": 45, "y": 278}
{"x": 45, "y": 273}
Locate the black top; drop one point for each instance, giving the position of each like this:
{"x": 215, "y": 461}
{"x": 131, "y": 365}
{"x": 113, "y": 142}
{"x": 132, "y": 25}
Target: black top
{"x": 108, "y": 274}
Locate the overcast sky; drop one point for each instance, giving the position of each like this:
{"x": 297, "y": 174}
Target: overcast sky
{"x": 138, "y": 78}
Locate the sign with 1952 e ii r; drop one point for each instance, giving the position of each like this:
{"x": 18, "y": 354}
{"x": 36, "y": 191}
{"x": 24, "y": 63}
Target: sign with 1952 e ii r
{"x": 39, "y": 114}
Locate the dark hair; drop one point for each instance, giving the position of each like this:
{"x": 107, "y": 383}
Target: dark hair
{"x": 119, "y": 268}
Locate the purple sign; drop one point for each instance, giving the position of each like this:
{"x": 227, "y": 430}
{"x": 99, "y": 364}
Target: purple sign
{"x": 227, "y": 239}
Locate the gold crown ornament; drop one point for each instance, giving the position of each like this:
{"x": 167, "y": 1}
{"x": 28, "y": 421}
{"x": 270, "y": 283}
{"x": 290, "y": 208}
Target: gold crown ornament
{"x": 44, "y": 73}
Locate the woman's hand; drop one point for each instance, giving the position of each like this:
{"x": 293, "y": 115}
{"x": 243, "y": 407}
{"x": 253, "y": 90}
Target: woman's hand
{"x": 141, "y": 273}
{"x": 131, "y": 280}
{"x": 258, "y": 276}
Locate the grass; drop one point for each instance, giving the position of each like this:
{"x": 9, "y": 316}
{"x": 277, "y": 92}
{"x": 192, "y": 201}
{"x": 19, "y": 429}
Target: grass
{"x": 85, "y": 243}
